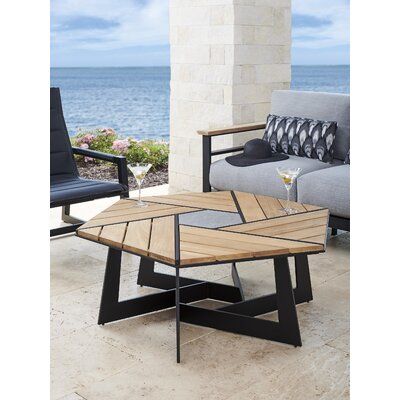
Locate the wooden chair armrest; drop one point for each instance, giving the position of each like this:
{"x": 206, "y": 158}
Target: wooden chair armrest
{"x": 233, "y": 129}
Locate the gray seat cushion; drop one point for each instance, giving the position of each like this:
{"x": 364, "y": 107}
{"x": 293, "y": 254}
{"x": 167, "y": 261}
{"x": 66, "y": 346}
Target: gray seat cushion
{"x": 317, "y": 105}
{"x": 261, "y": 178}
{"x": 327, "y": 188}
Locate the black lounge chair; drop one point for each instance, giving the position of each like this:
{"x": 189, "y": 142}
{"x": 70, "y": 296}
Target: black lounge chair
{"x": 66, "y": 187}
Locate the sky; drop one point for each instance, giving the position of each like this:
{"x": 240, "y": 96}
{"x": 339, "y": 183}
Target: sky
{"x": 96, "y": 33}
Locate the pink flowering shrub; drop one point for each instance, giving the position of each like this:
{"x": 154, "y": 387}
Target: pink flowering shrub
{"x": 106, "y": 140}
{"x": 121, "y": 145}
{"x": 85, "y": 139}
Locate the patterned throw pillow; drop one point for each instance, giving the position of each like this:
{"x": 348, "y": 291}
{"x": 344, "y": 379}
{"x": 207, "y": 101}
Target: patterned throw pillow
{"x": 301, "y": 136}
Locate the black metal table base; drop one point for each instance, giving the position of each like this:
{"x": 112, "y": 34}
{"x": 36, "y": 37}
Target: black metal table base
{"x": 237, "y": 317}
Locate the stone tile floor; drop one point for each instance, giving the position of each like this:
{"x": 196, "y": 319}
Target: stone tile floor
{"x": 135, "y": 358}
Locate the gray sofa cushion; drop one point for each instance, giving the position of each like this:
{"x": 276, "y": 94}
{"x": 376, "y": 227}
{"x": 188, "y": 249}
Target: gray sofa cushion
{"x": 316, "y": 105}
{"x": 327, "y": 188}
{"x": 261, "y": 178}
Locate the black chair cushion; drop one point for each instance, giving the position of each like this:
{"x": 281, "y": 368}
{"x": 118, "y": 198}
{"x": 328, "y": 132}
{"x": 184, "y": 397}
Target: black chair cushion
{"x": 66, "y": 190}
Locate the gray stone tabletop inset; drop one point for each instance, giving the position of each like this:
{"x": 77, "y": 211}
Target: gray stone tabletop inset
{"x": 210, "y": 219}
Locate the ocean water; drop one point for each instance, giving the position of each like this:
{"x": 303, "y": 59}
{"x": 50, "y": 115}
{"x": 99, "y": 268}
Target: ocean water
{"x": 135, "y": 101}
{"x": 327, "y": 78}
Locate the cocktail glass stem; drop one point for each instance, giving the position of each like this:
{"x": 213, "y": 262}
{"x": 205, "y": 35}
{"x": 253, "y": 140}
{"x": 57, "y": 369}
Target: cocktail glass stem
{"x": 288, "y": 199}
{"x": 140, "y": 192}
{"x": 140, "y": 202}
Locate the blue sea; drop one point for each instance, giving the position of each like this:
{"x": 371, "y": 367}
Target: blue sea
{"x": 135, "y": 101}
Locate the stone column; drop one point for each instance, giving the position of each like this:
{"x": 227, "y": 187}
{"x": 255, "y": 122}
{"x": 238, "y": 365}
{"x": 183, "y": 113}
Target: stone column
{"x": 227, "y": 56}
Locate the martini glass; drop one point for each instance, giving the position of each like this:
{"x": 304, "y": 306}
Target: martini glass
{"x": 139, "y": 171}
{"x": 288, "y": 176}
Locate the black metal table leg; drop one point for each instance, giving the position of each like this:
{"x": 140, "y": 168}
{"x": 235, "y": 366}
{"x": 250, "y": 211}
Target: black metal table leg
{"x": 236, "y": 279}
{"x": 146, "y": 268}
{"x": 177, "y": 317}
{"x": 110, "y": 293}
{"x": 303, "y": 279}
{"x": 285, "y": 301}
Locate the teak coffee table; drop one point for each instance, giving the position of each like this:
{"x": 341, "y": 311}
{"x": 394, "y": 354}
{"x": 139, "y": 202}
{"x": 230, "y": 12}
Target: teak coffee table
{"x": 200, "y": 229}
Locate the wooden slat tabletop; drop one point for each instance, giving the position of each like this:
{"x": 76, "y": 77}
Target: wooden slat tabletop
{"x": 250, "y": 207}
{"x": 207, "y": 202}
{"x": 137, "y": 238}
{"x": 162, "y": 240}
{"x": 266, "y": 231}
{"x": 113, "y": 235}
{"x": 271, "y": 206}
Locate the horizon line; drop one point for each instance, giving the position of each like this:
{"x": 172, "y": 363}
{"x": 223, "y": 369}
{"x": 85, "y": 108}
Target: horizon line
{"x": 168, "y": 66}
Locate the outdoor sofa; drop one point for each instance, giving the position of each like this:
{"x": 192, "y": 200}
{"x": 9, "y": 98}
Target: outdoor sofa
{"x": 319, "y": 183}
{"x": 66, "y": 186}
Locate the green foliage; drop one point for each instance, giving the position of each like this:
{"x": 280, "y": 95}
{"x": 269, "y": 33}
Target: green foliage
{"x": 107, "y": 141}
{"x": 103, "y": 143}
{"x": 155, "y": 153}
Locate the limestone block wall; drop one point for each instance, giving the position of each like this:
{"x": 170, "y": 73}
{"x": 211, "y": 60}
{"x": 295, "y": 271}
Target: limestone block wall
{"x": 227, "y": 56}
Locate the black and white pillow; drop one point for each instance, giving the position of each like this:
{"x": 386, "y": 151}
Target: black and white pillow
{"x": 301, "y": 136}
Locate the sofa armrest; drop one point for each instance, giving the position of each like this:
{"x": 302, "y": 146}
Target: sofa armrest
{"x": 208, "y": 153}
{"x": 120, "y": 161}
{"x": 232, "y": 129}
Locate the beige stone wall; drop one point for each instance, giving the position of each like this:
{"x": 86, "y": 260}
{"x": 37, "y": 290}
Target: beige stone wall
{"x": 227, "y": 56}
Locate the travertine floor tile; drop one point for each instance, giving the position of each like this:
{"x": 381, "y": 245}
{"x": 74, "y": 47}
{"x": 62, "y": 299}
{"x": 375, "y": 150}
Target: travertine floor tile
{"x": 334, "y": 296}
{"x": 79, "y": 308}
{"x": 317, "y": 327}
{"x": 73, "y": 270}
{"x": 342, "y": 342}
{"x": 73, "y": 267}
{"x": 61, "y": 246}
{"x": 81, "y": 359}
{"x": 321, "y": 374}
{"x": 213, "y": 367}
{"x": 72, "y": 396}
{"x": 154, "y": 330}
{"x": 71, "y": 311}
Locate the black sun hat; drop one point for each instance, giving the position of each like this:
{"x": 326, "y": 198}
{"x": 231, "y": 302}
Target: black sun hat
{"x": 256, "y": 151}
